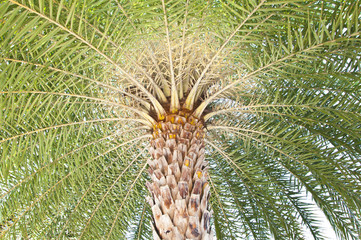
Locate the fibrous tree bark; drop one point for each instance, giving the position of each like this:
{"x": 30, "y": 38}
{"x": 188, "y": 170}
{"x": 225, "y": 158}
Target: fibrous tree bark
{"x": 179, "y": 187}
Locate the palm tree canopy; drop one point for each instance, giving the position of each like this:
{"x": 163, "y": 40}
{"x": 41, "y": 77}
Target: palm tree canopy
{"x": 277, "y": 84}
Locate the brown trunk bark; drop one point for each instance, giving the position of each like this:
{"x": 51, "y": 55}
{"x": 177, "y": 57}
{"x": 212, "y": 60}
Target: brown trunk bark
{"x": 179, "y": 187}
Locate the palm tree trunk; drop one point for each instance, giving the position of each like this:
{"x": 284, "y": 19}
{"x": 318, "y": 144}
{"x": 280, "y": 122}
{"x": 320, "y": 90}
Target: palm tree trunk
{"x": 179, "y": 187}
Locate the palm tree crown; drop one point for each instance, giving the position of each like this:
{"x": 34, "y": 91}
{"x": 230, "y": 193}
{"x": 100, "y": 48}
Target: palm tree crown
{"x": 86, "y": 85}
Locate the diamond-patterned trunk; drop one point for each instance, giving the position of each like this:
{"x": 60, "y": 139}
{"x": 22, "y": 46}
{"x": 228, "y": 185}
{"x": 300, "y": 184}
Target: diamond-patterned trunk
{"x": 179, "y": 187}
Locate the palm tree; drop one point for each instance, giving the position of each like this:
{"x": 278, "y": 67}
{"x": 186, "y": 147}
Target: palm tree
{"x": 179, "y": 119}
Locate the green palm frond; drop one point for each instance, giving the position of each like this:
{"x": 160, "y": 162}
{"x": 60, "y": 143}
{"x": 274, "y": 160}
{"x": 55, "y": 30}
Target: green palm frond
{"x": 277, "y": 84}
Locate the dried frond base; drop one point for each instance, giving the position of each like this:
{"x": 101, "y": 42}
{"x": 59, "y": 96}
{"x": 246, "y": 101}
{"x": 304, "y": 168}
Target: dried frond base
{"x": 179, "y": 187}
